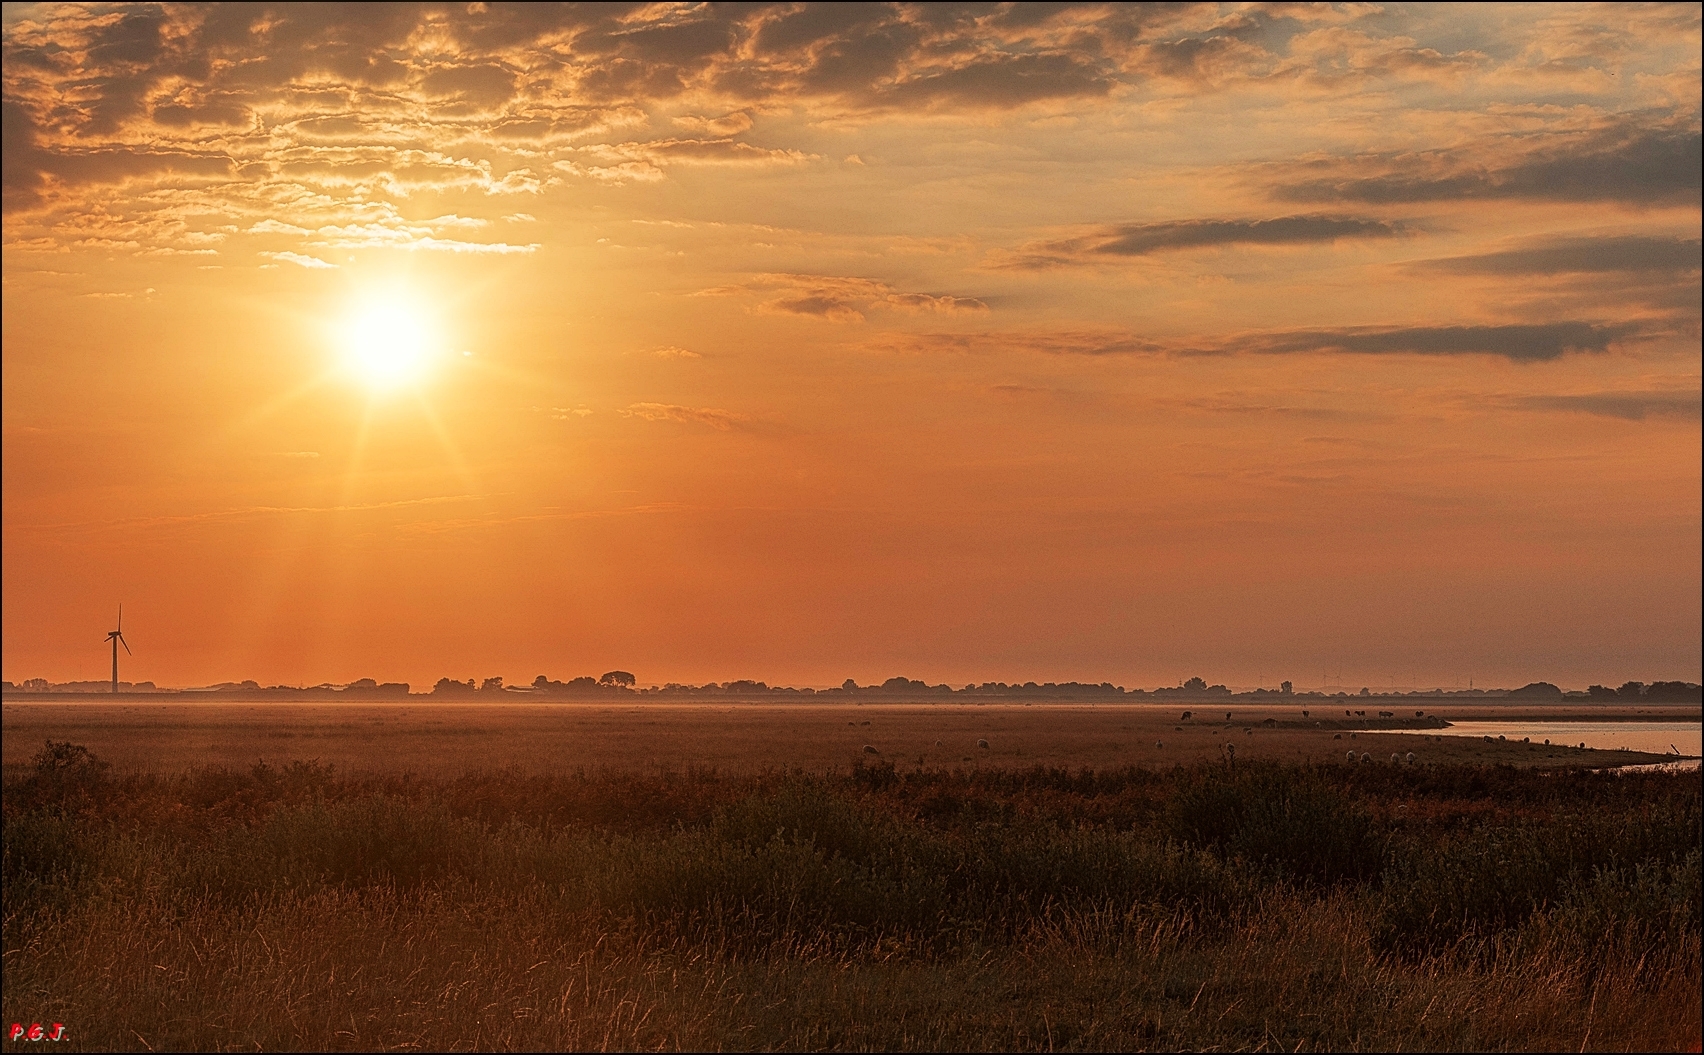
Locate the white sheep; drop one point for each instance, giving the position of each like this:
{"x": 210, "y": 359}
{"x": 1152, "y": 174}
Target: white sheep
{"x": 1366, "y": 756}
{"x": 1410, "y": 758}
{"x": 1349, "y": 757}
{"x": 1395, "y": 759}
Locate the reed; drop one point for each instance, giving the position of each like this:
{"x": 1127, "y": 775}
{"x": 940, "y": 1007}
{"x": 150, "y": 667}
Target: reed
{"x": 1272, "y": 906}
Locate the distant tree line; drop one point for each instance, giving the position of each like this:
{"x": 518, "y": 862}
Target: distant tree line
{"x": 1655, "y": 692}
{"x": 621, "y": 683}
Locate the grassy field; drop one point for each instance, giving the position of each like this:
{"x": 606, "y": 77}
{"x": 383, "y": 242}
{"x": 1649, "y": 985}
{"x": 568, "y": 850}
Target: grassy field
{"x": 443, "y": 739}
{"x": 1270, "y": 905}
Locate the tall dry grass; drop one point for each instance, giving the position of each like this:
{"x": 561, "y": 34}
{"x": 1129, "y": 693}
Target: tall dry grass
{"x": 1274, "y": 907}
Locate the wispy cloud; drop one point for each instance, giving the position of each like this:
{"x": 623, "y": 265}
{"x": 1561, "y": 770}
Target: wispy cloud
{"x": 711, "y": 417}
{"x": 1562, "y": 255}
{"x": 841, "y": 299}
{"x": 1143, "y": 239}
{"x": 1631, "y": 406}
{"x": 1632, "y": 164}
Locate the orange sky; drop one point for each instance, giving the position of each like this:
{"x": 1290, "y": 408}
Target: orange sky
{"x": 802, "y": 343}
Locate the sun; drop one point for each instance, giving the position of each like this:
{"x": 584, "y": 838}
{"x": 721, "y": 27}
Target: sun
{"x": 388, "y": 344}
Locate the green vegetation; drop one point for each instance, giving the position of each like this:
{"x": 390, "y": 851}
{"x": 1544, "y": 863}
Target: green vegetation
{"x": 1266, "y": 907}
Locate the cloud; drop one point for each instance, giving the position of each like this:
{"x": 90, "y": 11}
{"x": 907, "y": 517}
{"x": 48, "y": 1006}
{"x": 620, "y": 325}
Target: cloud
{"x": 1060, "y": 342}
{"x": 721, "y": 127}
{"x": 1142, "y": 239}
{"x": 320, "y": 113}
{"x": 646, "y": 162}
{"x": 1639, "y": 166}
{"x": 1524, "y": 342}
{"x": 1521, "y": 342}
{"x": 720, "y": 420}
{"x": 299, "y": 259}
{"x": 1631, "y": 406}
{"x": 1601, "y": 255}
{"x": 841, "y": 299}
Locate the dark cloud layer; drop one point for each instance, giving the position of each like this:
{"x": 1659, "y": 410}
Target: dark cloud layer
{"x": 204, "y": 76}
{"x": 1527, "y": 342}
{"x": 1615, "y": 253}
{"x": 1633, "y": 165}
{"x": 1522, "y": 342}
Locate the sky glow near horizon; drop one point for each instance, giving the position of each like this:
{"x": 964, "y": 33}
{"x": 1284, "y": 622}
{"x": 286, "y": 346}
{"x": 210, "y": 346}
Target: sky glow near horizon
{"x": 959, "y": 342}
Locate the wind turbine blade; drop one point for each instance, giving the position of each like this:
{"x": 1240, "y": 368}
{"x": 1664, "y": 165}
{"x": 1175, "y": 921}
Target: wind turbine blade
{"x": 126, "y": 645}
{"x": 121, "y": 617}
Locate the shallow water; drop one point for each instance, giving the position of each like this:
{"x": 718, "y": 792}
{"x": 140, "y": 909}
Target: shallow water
{"x": 1663, "y": 738}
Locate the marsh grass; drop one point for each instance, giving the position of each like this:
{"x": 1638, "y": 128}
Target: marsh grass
{"x": 1271, "y": 907}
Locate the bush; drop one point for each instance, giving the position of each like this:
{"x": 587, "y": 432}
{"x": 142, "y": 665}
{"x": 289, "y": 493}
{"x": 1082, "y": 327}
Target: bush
{"x": 1288, "y": 818}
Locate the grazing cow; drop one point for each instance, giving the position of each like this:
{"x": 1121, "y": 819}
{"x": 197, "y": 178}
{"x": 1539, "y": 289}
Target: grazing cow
{"x": 1347, "y": 714}
{"x": 1304, "y": 714}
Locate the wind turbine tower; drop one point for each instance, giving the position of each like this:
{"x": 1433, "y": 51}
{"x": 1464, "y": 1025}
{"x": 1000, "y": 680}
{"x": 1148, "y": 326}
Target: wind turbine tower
{"x": 117, "y": 639}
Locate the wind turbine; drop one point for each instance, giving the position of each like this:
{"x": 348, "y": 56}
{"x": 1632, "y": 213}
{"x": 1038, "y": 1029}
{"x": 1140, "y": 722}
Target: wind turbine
{"x": 117, "y": 639}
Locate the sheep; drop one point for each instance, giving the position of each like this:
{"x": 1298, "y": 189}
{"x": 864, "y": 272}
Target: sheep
{"x": 939, "y": 744}
{"x": 1187, "y": 715}
{"x": 1227, "y": 716}
{"x": 1366, "y": 756}
{"x": 1249, "y": 731}
{"x": 1304, "y": 714}
{"x": 1419, "y": 714}
{"x": 1160, "y": 744}
{"x": 1349, "y": 757}
{"x": 1395, "y": 759}
{"x": 1409, "y": 758}
{"x": 1337, "y": 736}
{"x": 869, "y": 749}
{"x": 982, "y": 744}
{"x": 1387, "y": 714}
